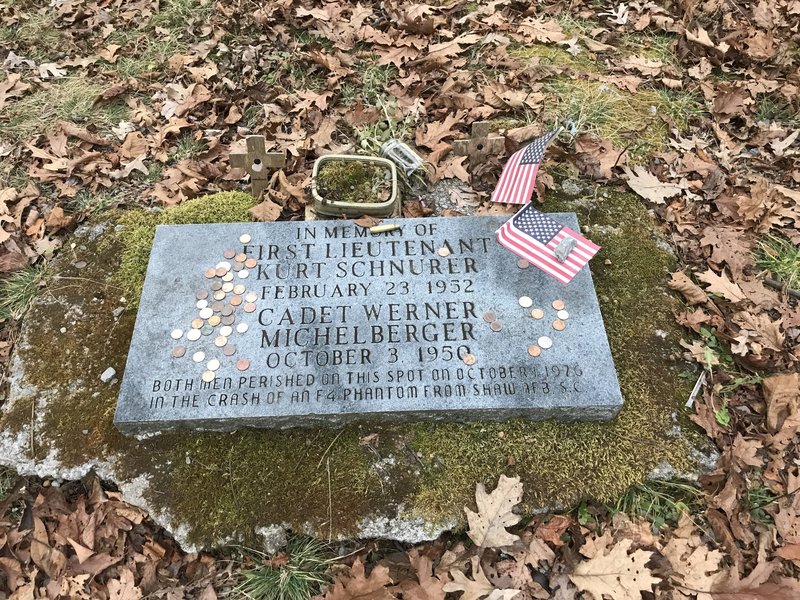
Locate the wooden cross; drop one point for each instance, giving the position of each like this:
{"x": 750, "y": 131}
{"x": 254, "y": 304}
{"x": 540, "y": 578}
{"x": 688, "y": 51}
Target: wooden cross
{"x": 257, "y": 162}
{"x": 480, "y": 145}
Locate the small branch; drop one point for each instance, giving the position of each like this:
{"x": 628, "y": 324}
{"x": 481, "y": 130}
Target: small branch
{"x": 779, "y": 286}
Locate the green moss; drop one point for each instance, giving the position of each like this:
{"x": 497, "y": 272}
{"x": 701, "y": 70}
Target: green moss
{"x": 353, "y": 181}
{"x": 223, "y": 485}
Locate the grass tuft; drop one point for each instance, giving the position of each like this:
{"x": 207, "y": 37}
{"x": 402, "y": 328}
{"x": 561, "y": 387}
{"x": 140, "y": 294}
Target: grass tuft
{"x": 661, "y": 502}
{"x": 782, "y": 258}
{"x": 295, "y": 575}
{"x": 17, "y": 292}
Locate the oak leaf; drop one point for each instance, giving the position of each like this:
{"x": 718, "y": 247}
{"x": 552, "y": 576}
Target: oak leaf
{"x": 648, "y": 185}
{"x": 782, "y": 394}
{"x": 435, "y": 132}
{"x": 693, "y": 293}
{"x": 617, "y": 574}
{"x": 360, "y": 587}
{"x": 720, "y": 284}
{"x": 427, "y": 586}
{"x": 477, "y": 588}
{"x": 487, "y": 527}
{"x": 51, "y": 560}
{"x": 266, "y": 211}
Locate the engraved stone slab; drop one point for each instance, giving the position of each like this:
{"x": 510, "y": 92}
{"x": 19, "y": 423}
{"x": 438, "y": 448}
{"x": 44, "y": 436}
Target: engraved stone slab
{"x": 313, "y": 323}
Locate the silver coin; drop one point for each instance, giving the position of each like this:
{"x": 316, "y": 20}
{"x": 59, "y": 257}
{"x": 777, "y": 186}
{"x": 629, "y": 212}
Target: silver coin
{"x": 206, "y": 313}
{"x": 243, "y": 274}
{"x": 201, "y": 304}
{"x": 245, "y": 238}
{"x": 525, "y": 301}
{"x": 241, "y": 327}
{"x": 545, "y": 342}
{"x": 176, "y": 334}
{"x": 563, "y": 315}
{"x": 199, "y": 357}
{"x": 224, "y": 265}
{"x": 225, "y": 330}
{"x": 212, "y": 365}
{"x": 193, "y": 335}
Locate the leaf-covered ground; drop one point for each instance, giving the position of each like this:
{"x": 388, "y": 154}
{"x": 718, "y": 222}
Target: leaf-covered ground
{"x": 692, "y": 104}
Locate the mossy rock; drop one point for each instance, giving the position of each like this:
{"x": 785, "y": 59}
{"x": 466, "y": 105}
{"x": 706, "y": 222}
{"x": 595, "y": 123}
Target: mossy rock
{"x": 408, "y": 482}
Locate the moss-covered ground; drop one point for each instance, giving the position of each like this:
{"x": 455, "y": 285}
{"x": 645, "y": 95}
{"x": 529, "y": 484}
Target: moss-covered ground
{"x": 222, "y": 485}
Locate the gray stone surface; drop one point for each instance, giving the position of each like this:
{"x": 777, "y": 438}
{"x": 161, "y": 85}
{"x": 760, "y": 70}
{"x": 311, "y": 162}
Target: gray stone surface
{"x": 349, "y": 325}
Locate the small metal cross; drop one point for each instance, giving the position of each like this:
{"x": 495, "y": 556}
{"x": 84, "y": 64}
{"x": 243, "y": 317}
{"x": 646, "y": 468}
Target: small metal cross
{"x": 480, "y": 145}
{"x": 257, "y": 162}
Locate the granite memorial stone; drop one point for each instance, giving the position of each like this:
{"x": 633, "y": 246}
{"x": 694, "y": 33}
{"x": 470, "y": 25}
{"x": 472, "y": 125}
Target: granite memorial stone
{"x": 301, "y": 323}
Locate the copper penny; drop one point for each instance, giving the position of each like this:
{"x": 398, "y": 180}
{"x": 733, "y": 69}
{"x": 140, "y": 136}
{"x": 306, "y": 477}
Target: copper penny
{"x": 201, "y": 295}
{"x": 559, "y": 325}
{"x": 229, "y": 350}
{"x": 537, "y": 313}
{"x": 469, "y": 359}
{"x": 236, "y": 300}
{"x": 489, "y": 316}
{"x": 220, "y": 271}
{"x": 523, "y": 264}
{"x": 210, "y": 273}
{"x": 241, "y": 257}
{"x": 558, "y": 304}
{"x": 495, "y": 326}
{"x": 250, "y": 263}
{"x": 243, "y": 364}
{"x": 216, "y": 285}
{"x": 229, "y": 254}
{"x": 178, "y": 351}
{"x": 534, "y": 350}
{"x": 249, "y": 307}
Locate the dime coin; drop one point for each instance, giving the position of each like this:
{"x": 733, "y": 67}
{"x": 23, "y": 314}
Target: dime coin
{"x": 243, "y": 274}
{"x": 229, "y": 276}
{"x": 205, "y": 313}
{"x": 199, "y": 356}
{"x": 207, "y": 330}
{"x": 224, "y": 265}
{"x": 210, "y": 273}
{"x": 250, "y": 263}
{"x": 229, "y": 254}
{"x": 251, "y": 297}
{"x": 558, "y": 304}
{"x": 534, "y": 350}
{"x": 241, "y": 257}
{"x": 443, "y": 251}
{"x": 214, "y": 321}
{"x": 208, "y": 376}
{"x": 245, "y": 238}
{"x": 495, "y": 326}
{"x": 239, "y": 289}
{"x": 241, "y": 327}
{"x": 225, "y": 330}
{"x": 523, "y": 264}
{"x": 201, "y": 295}
{"x": 216, "y": 285}
{"x": 243, "y": 364}
{"x": 227, "y": 287}
{"x": 563, "y": 315}
{"x": 201, "y": 303}
{"x": 220, "y": 341}
{"x": 537, "y": 313}
{"x": 525, "y": 301}
{"x": 212, "y": 365}
{"x": 469, "y": 359}
{"x": 236, "y": 300}
{"x": 545, "y": 342}
{"x": 559, "y": 325}
{"x": 219, "y": 295}
{"x": 229, "y": 350}
{"x": 249, "y": 307}
{"x": 489, "y": 316}
{"x": 193, "y": 335}
{"x": 177, "y": 334}
{"x": 178, "y": 351}
{"x": 197, "y": 323}
{"x": 229, "y": 320}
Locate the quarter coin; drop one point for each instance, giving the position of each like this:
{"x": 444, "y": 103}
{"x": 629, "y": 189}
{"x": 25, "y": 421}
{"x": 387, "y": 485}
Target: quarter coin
{"x": 245, "y": 238}
{"x": 193, "y": 335}
{"x": 545, "y": 342}
{"x": 443, "y": 251}
{"x": 220, "y": 341}
{"x": 534, "y": 350}
{"x": 229, "y": 350}
{"x": 523, "y": 264}
{"x": 495, "y": 326}
{"x": 249, "y": 307}
{"x": 250, "y": 263}
{"x": 178, "y": 351}
{"x": 199, "y": 356}
{"x": 489, "y": 316}
{"x": 177, "y": 334}
{"x": 214, "y": 320}
{"x": 212, "y": 365}
{"x": 208, "y": 376}
{"x": 525, "y": 301}
{"x": 469, "y": 359}
{"x": 563, "y": 315}
{"x": 201, "y": 295}
{"x": 559, "y": 325}
{"x": 225, "y": 330}
{"x": 243, "y": 364}
{"x": 205, "y": 313}
{"x": 558, "y": 304}
{"x": 241, "y": 327}
{"x": 537, "y": 313}
{"x": 229, "y": 254}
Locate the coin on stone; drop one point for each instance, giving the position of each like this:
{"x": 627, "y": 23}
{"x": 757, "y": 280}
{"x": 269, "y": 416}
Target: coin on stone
{"x": 227, "y": 287}
{"x": 193, "y": 335}
{"x": 219, "y": 295}
{"x": 545, "y": 342}
{"x": 176, "y": 334}
{"x": 251, "y": 297}
{"x": 214, "y": 320}
{"x": 227, "y": 310}
{"x": 210, "y": 273}
{"x": 207, "y": 330}
{"x": 469, "y": 359}
{"x": 241, "y": 327}
{"x": 201, "y": 294}
{"x": 525, "y": 301}
{"x": 250, "y": 263}
{"x": 229, "y": 276}
{"x": 220, "y": 271}
{"x": 558, "y": 304}
{"x": 239, "y": 289}
{"x": 243, "y": 364}
{"x": 243, "y": 274}
{"x": 563, "y": 315}
{"x": 208, "y": 376}
{"x": 178, "y": 351}
{"x": 523, "y": 264}
{"x": 489, "y": 316}
{"x": 559, "y": 325}
{"x": 220, "y": 341}
{"x": 225, "y": 330}
{"x": 197, "y": 323}
{"x": 241, "y": 257}
{"x": 224, "y": 265}
{"x": 443, "y": 251}
{"x": 212, "y": 365}
{"x": 495, "y": 326}
{"x": 229, "y": 254}
{"x": 199, "y": 356}
{"x": 237, "y": 266}
{"x": 205, "y": 312}
{"x": 217, "y": 306}
{"x": 216, "y": 285}
{"x": 229, "y": 320}
{"x": 537, "y": 313}
{"x": 236, "y": 300}
{"x": 229, "y": 350}
{"x": 249, "y": 307}
{"x": 201, "y": 303}
{"x": 534, "y": 350}
{"x": 245, "y": 238}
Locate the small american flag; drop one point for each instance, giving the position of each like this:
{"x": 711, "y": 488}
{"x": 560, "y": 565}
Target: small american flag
{"x": 519, "y": 175}
{"x": 534, "y": 236}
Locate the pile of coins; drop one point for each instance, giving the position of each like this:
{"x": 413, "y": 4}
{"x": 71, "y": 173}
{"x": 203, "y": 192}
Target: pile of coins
{"x": 559, "y": 324}
{"x": 491, "y": 319}
{"x": 216, "y": 311}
